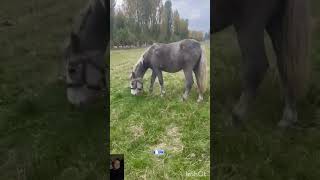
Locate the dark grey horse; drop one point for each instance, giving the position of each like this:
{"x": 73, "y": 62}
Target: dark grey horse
{"x": 186, "y": 55}
{"x": 287, "y": 23}
{"x": 85, "y": 66}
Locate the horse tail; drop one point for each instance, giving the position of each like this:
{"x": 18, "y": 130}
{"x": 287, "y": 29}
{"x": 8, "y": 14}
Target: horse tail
{"x": 201, "y": 72}
{"x": 295, "y": 46}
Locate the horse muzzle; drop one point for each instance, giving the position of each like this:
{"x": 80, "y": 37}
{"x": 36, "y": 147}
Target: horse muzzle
{"x": 136, "y": 92}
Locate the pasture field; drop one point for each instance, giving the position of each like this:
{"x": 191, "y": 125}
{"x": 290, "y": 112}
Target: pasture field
{"x": 138, "y": 125}
{"x": 41, "y": 135}
{"x": 262, "y": 152}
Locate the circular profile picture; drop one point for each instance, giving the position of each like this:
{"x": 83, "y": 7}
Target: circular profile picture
{"x": 116, "y": 169}
{"x": 116, "y": 164}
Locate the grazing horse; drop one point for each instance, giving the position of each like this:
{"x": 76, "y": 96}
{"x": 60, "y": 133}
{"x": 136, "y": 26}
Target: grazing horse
{"x": 287, "y": 24}
{"x": 186, "y": 55}
{"x": 84, "y": 56}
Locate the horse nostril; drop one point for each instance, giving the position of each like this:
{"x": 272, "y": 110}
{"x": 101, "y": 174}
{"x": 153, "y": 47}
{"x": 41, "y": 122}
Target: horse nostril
{"x": 71, "y": 70}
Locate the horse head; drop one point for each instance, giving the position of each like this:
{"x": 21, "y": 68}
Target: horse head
{"x": 85, "y": 73}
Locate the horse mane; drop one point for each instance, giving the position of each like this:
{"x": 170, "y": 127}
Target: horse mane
{"x": 91, "y": 27}
{"x": 150, "y": 49}
{"x": 141, "y": 59}
{"x": 88, "y": 26}
{"x": 81, "y": 19}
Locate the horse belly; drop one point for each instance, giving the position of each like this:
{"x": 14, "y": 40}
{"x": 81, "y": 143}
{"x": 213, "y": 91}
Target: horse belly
{"x": 171, "y": 67}
{"x": 168, "y": 63}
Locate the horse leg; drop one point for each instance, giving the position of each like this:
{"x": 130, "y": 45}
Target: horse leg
{"x": 160, "y": 78}
{"x": 200, "y": 97}
{"x": 200, "y": 91}
{"x": 255, "y": 64}
{"x": 153, "y": 78}
{"x": 188, "y": 85}
{"x": 289, "y": 116}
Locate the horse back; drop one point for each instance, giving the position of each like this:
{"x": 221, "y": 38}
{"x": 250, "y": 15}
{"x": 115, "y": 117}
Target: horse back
{"x": 175, "y": 56}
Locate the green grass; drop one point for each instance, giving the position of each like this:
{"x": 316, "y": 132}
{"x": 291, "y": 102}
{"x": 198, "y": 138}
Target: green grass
{"x": 139, "y": 125}
{"x": 41, "y": 135}
{"x": 262, "y": 152}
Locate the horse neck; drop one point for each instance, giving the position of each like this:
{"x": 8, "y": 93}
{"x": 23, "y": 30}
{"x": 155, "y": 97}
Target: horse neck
{"x": 94, "y": 29}
{"x": 140, "y": 70}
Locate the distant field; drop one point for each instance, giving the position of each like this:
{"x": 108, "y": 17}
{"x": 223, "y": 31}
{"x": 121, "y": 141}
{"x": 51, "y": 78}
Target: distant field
{"x": 262, "y": 152}
{"x": 41, "y": 136}
{"x": 142, "y": 124}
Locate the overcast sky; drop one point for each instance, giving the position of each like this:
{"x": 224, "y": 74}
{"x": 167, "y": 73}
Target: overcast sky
{"x": 197, "y": 11}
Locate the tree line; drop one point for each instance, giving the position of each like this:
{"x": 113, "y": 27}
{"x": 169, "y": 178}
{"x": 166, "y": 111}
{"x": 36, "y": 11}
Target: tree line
{"x": 140, "y": 22}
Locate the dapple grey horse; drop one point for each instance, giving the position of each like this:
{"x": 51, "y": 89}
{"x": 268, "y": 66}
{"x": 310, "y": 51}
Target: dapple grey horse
{"x": 85, "y": 66}
{"x": 186, "y": 55}
{"x": 287, "y": 24}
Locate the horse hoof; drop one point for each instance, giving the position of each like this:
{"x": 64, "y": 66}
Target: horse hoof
{"x": 289, "y": 118}
{"x": 199, "y": 100}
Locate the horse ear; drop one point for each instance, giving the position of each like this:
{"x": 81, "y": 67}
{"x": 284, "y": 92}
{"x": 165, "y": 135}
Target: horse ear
{"x": 75, "y": 42}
